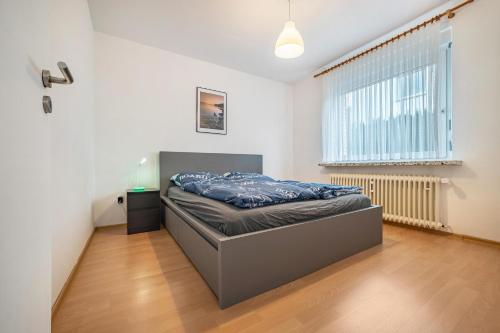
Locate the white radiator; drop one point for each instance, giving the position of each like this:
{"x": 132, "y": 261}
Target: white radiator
{"x": 412, "y": 200}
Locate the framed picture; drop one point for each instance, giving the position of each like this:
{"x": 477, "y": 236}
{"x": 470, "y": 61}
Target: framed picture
{"x": 211, "y": 111}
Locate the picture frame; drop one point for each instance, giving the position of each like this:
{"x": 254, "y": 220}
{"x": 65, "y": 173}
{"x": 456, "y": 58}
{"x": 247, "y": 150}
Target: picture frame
{"x": 211, "y": 111}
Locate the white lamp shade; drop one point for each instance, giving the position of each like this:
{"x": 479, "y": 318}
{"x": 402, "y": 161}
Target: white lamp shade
{"x": 290, "y": 43}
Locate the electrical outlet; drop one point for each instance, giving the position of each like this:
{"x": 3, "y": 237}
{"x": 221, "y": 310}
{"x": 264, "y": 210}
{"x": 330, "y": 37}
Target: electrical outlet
{"x": 120, "y": 200}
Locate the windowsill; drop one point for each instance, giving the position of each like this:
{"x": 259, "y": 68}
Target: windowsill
{"x": 393, "y": 163}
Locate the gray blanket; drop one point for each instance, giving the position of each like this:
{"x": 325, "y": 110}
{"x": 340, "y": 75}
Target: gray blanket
{"x": 232, "y": 220}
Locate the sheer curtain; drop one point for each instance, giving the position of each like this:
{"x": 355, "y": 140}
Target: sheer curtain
{"x": 389, "y": 104}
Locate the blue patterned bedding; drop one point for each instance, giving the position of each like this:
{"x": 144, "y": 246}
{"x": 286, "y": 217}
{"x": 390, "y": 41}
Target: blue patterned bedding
{"x": 250, "y": 190}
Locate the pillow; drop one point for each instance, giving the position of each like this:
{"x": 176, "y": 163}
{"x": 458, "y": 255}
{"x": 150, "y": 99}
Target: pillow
{"x": 246, "y": 175}
{"x": 183, "y": 178}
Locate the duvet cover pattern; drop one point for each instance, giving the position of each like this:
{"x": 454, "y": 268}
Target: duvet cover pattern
{"x": 250, "y": 190}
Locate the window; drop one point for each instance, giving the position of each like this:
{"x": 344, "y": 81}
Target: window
{"x": 392, "y": 104}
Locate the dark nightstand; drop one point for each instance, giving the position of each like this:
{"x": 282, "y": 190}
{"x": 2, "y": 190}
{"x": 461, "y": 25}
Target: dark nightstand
{"x": 143, "y": 210}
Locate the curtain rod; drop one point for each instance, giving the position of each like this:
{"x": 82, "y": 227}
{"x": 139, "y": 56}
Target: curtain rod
{"x": 450, "y": 13}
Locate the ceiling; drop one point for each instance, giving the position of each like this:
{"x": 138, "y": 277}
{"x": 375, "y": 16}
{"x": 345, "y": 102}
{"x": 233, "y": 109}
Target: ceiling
{"x": 241, "y": 34}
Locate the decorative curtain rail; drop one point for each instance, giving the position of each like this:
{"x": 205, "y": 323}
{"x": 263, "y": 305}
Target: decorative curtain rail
{"x": 450, "y": 13}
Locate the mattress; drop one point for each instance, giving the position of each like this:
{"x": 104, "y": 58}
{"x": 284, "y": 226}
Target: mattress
{"x": 232, "y": 220}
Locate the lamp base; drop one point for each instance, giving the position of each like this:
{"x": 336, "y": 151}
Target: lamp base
{"x": 138, "y": 189}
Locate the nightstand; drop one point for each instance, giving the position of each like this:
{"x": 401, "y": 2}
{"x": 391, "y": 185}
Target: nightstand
{"x": 143, "y": 210}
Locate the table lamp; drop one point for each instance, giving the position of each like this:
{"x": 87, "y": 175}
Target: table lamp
{"x": 138, "y": 187}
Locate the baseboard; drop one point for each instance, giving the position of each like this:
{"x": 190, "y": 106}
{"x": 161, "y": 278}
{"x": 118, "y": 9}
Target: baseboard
{"x": 446, "y": 233}
{"x": 59, "y": 298}
{"x": 477, "y": 239}
{"x": 414, "y": 227}
{"x": 110, "y": 226}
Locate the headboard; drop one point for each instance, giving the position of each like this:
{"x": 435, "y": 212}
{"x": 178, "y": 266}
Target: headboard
{"x": 175, "y": 162}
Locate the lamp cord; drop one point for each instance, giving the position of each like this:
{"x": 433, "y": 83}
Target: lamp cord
{"x": 289, "y": 16}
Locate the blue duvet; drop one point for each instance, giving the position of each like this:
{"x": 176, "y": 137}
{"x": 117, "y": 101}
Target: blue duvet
{"x": 250, "y": 190}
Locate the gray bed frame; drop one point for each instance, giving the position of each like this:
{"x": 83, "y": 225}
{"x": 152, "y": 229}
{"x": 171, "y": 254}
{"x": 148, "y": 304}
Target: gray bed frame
{"x": 242, "y": 266}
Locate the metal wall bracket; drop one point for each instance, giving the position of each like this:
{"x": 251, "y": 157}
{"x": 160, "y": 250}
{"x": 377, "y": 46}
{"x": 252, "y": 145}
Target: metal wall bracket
{"x": 47, "y": 79}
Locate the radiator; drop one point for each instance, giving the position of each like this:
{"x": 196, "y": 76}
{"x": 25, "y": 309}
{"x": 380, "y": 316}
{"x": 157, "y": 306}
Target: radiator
{"x": 412, "y": 200}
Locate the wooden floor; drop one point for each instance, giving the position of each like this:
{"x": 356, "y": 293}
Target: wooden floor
{"x": 414, "y": 282}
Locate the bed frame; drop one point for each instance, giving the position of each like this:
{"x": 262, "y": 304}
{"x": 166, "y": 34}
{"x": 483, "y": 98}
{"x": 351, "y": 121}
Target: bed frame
{"x": 242, "y": 266}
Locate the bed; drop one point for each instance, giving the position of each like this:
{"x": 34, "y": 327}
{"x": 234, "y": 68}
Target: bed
{"x": 243, "y": 265}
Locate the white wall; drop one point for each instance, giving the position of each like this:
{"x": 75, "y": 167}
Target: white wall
{"x": 71, "y": 135}
{"x": 146, "y": 101}
{"x": 470, "y": 203}
{"x": 24, "y": 169}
